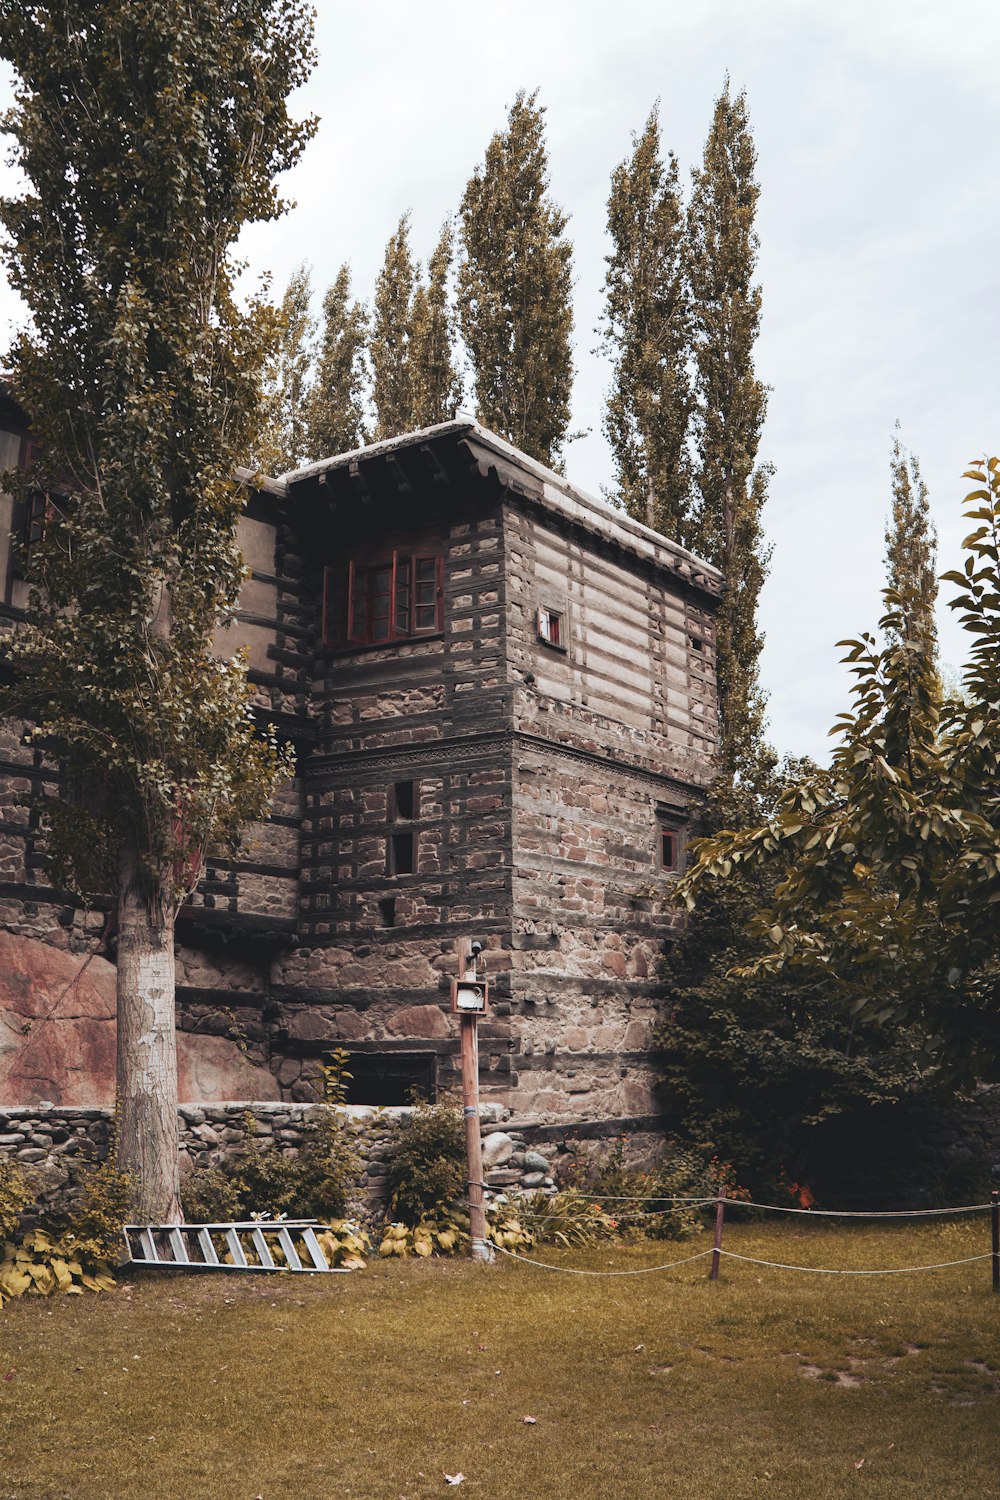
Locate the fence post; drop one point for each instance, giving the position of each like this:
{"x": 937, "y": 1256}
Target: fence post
{"x": 995, "y": 1227}
{"x": 720, "y": 1218}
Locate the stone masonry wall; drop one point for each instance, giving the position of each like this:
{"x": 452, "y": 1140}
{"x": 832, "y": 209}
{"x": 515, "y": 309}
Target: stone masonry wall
{"x": 55, "y": 1142}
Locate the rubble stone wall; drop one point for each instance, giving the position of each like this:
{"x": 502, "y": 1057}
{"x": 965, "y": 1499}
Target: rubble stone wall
{"x": 55, "y": 1142}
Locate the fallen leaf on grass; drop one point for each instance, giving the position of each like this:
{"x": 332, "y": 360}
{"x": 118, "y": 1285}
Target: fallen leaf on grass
{"x": 531, "y": 1421}
{"x": 454, "y": 1478}
{"x": 859, "y": 1463}
{"x": 11, "y": 1373}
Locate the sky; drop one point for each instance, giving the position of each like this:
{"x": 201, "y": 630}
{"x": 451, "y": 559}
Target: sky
{"x": 876, "y": 125}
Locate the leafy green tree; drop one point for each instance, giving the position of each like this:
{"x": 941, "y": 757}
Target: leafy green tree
{"x": 288, "y": 378}
{"x": 729, "y": 413}
{"x": 147, "y": 135}
{"x": 436, "y": 387}
{"x": 335, "y": 411}
{"x": 389, "y": 346}
{"x": 885, "y": 868}
{"x": 911, "y": 543}
{"x": 769, "y": 1070}
{"x": 514, "y": 289}
{"x": 647, "y": 331}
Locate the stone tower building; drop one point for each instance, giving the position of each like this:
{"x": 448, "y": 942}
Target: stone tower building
{"x": 502, "y": 697}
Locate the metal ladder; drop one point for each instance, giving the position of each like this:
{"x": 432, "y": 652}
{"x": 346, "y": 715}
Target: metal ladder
{"x": 251, "y": 1245}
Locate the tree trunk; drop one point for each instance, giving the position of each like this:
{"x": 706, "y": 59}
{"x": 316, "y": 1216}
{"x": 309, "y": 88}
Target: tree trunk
{"x": 149, "y": 1142}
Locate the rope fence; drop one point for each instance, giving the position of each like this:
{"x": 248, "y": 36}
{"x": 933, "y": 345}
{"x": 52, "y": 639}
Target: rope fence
{"x": 717, "y": 1251}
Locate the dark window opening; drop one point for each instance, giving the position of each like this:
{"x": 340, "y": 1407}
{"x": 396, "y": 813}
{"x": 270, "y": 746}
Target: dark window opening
{"x": 392, "y": 1078}
{"x": 401, "y": 849}
{"x": 697, "y": 644}
{"x": 395, "y": 596}
{"x": 670, "y": 849}
{"x": 405, "y": 800}
{"x": 550, "y": 626}
{"x": 387, "y": 911}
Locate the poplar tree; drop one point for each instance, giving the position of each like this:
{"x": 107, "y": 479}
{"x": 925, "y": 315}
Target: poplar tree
{"x": 436, "y": 387}
{"x": 730, "y": 403}
{"x": 287, "y": 379}
{"x": 647, "y": 332}
{"x": 389, "y": 346}
{"x": 146, "y": 135}
{"x": 335, "y": 413}
{"x": 911, "y": 546}
{"x": 514, "y": 289}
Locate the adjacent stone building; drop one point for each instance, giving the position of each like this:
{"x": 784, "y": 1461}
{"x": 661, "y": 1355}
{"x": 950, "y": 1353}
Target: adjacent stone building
{"x": 502, "y": 697}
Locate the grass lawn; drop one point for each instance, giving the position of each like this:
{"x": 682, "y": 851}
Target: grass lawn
{"x": 372, "y": 1386}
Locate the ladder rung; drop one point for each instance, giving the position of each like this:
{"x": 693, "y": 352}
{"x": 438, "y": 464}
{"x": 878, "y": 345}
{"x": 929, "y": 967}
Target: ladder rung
{"x": 178, "y": 1246}
{"x": 291, "y": 1254}
{"x": 262, "y": 1248}
{"x": 208, "y": 1250}
{"x": 315, "y": 1249}
{"x": 236, "y": 1249}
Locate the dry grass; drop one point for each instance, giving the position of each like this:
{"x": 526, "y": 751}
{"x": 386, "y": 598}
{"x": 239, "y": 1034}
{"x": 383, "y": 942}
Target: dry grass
{"x": 372, "y": 1386}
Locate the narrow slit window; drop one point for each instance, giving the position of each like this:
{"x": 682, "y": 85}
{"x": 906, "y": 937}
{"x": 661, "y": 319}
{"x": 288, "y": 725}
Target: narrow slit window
{"x": 670, "y": 850}
{"x": 387, "y": 912}
{"x": 401, "y": 852}
{"x": 404, "y": 800}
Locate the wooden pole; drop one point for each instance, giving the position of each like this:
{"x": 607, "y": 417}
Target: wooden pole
{"x": 470, "y": 1108}
{"x": 720, "y": 1219}
{"x": 995, "y": 1228}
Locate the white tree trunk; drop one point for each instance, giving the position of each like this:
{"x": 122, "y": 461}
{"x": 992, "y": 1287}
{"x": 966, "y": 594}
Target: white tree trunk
{"x": 147, "y": 1047}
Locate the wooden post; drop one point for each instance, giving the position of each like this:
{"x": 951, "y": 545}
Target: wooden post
{"x": 995, "y": 1227}
{"x": 720, "y": 1218}
{"x": 470, "y": 1108}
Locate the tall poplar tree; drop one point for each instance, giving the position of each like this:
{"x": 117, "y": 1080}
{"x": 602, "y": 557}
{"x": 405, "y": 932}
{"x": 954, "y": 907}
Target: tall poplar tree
{"x": 911, "y": 545}
{"x": 514, "y": 289}
{"x": 335, "y": 412}
{"x": 389, "y": 345}
{"x": 647, "y": 331}
{"x": 729, "y": 414}
{"x": 146, "y": 134}
{"x": 288, "y": 378}
{"x": 436, "y": 387}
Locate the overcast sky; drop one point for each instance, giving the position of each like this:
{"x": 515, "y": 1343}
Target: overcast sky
{"x": 876, "y": 123}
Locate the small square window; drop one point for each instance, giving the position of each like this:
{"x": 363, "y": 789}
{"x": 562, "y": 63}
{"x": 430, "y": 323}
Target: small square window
{"x": 550, "y": 626}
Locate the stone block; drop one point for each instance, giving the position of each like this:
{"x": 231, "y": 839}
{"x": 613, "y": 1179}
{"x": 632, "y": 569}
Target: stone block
{"x": 426, "y": 1021}
{"x": 497, "y": 1151}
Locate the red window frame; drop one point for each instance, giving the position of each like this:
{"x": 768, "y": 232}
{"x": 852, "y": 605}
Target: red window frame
{"x": 386, "y": 600}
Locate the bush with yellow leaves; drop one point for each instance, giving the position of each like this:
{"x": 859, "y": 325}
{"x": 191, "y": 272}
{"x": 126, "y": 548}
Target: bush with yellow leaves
{"x": 446, "y": 1232}
{"x": 345, "y": 1243}
{"x": 38, "y": 1265}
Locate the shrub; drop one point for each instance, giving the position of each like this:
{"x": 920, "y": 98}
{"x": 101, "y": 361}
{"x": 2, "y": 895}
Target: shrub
{"x": 345, "y": 1243}
{"x": 15, "y": 1195}
{"x": 641, "y": 1202}
{"x": 316, "y": 1184}
{"x": 103, "y": 1209}
{"x": 505, "y": 1229}
{"x": 570, "y": 1218}
{"x": 210, "y": 1196}
{"x": 437, "y": 1232}
{"x": 427, "y": 1171}
{"x": 39, "y": 1265}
